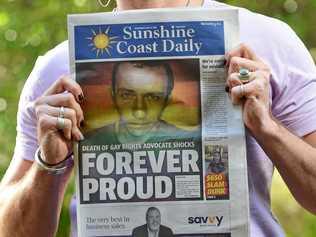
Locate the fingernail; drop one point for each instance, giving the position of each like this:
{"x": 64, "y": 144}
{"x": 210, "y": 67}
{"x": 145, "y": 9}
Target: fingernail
{"x": 82, "y": 123}
{"x": 81, "y": 137}
{"x": 227, "y": 89}
{"x": 225, "y": 62}
{"x": 81, "y": 98}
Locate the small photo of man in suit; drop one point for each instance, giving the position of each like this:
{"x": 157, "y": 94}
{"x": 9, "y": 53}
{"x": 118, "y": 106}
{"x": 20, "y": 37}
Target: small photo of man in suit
{"x": 153, "y": 227}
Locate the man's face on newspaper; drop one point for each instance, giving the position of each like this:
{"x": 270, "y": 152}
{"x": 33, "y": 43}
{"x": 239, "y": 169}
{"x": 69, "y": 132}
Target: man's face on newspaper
{"x": 216, "y": 156}
{"x": 153, "y": 220}
{"x": 140, "y": 96}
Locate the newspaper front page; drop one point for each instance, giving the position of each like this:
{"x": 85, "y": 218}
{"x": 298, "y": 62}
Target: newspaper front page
{"x": 164, "y": 150}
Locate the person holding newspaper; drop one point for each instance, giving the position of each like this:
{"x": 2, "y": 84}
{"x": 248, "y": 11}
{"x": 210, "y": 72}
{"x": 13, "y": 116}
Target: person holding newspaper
{"x": 278, "y": 101}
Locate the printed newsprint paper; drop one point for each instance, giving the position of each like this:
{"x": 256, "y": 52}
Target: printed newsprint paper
{"x": 164, "y": 153}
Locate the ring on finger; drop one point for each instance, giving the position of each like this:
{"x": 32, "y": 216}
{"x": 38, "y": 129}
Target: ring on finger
{"x": 60, "y": 124}
{"x": 61, "y": 112}
{"x": 244, "y": 75}
{"x": 242, "y": 91}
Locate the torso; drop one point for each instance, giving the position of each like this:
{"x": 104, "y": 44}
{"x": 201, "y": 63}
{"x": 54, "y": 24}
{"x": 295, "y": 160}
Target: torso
{"x": 260, "y": 168}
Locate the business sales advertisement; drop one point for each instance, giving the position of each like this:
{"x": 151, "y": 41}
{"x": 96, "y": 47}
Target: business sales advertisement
{"x": 164, "y": 149}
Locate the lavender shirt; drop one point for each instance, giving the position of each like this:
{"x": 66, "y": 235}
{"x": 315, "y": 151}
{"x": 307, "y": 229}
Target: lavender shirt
{"x": 293, "y": 101}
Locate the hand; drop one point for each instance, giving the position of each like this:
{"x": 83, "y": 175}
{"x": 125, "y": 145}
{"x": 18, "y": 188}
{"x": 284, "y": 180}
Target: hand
{"x": 254, "y": 95}
{"x": 55, "y": 143}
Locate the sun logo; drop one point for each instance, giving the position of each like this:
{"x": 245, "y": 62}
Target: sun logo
{"x": 101, "y": 42}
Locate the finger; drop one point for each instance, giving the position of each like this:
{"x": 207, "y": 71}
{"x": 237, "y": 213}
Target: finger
{"x": 49, "y": 123}
{"x": 66, "y": 100}
{"x": 68, "y": 113}
{"x": 261, "y": 77}
{"x": 254, "y": 89}
{"x": 237, "y": 94}
{"x": 65, "y": 83}
{"x": 232, "y": 81}
{"x": 242, "y": 51}
{"x": 236, "y": 63}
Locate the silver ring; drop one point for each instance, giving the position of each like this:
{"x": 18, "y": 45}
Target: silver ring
{"x": 244, "y": 75}
{"x": 61, "y": 112}
{"x": 242, "y": 90}
{"x": 60, "y": 124}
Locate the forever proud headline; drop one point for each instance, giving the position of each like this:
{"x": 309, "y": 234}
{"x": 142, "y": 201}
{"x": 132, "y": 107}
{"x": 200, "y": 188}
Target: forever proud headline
{"x": 147, "y": 172}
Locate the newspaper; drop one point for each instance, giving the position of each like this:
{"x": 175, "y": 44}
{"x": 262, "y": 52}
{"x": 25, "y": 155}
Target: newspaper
{"x": 164, "y": 150}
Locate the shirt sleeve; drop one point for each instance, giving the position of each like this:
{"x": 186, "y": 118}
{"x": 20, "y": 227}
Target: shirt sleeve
{"x": 294, "y": 104}
{"x": 47, "y": 69}
{"x": 293, "y": 80}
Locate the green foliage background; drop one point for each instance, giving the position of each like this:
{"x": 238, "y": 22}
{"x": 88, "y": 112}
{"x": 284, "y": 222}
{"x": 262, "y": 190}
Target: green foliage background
{"x": 29, "y": 28}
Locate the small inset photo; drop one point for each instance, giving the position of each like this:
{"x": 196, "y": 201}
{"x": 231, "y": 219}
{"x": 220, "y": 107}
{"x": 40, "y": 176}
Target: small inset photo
{"x": 153, "y": 226}
{"x": 216, "y": 172}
